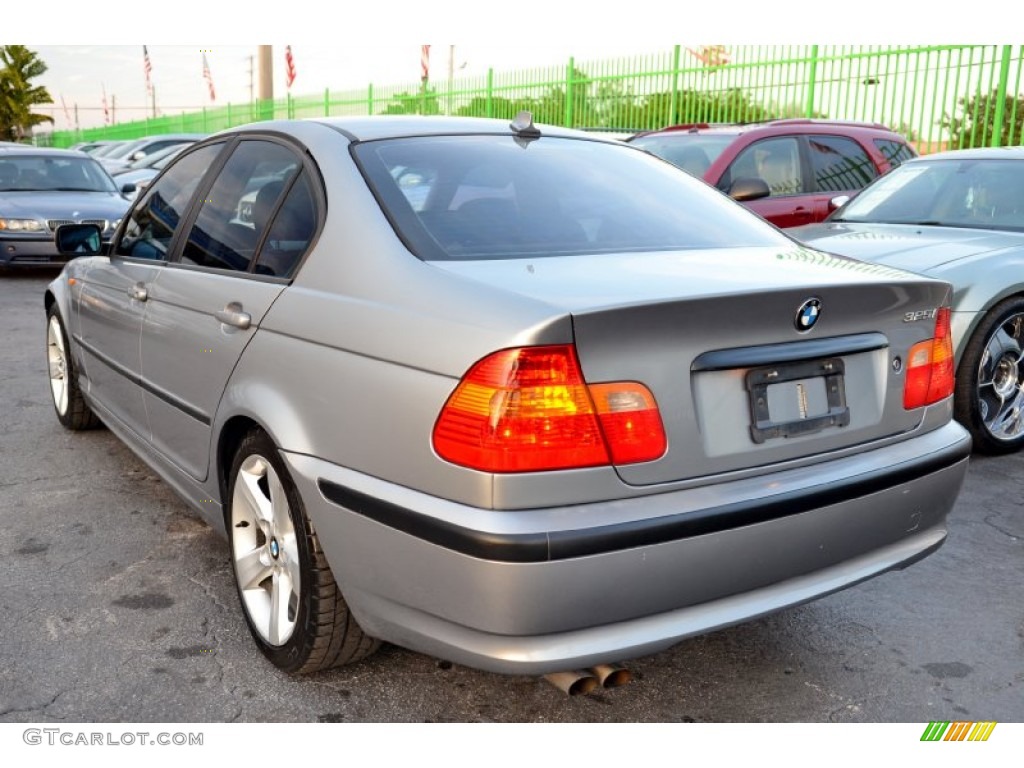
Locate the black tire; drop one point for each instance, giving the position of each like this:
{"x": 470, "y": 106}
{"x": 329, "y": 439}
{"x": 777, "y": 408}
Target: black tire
{"x": 990, "y": 365}
{"x": 325, "y": 634}
{"x": 71, "y": 409}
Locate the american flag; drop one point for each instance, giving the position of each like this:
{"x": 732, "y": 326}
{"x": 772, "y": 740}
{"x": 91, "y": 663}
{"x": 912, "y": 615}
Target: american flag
{"x": 289, "y": 63}
{"x": 148, "y": 67}
{"x": 424, "y": 62}
{"x": 209, "y": 78}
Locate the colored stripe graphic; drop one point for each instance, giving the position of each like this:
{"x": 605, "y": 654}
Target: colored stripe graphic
{"x": 958, "y": 731}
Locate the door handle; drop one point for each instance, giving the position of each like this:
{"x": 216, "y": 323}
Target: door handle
{"x": 233, "y": 315}
{"x": 138, "y": 292}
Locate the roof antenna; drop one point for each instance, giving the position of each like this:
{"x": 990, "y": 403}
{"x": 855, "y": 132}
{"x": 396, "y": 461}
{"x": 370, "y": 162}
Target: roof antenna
{"x": 523, "y": 126}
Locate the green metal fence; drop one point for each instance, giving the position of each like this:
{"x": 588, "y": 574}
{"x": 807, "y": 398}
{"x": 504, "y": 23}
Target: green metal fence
{"x": 947, "y": 96}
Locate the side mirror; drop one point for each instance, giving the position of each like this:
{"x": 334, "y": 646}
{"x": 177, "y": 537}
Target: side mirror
{"x": 749, "y": 188}
{"x": 838, "y": 202}
{"x": 78, "y": 240}
{"x": 137, "y": 155}
{"x": 129, "y": 189}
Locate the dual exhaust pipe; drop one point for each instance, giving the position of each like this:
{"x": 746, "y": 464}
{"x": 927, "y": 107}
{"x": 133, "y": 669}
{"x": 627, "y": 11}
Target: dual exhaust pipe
{"x": 580, "y": 681}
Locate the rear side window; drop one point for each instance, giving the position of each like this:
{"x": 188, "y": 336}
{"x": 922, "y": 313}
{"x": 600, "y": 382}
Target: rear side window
{"x": 839, "y": 164}
{"x": 237, "y": 210}
{"x": 896, "y": 152}
{"x": 498, "y": 197}
{"x": 291, "y": 233}
{"x": 150, "y": 229}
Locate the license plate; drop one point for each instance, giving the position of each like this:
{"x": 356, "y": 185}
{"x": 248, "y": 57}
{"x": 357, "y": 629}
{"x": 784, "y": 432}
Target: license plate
{"x": 797, "y": 398}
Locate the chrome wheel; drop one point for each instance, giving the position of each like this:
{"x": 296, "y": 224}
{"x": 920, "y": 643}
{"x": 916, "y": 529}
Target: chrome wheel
{"x": 56, "y": 357}
{"x": 1000, "y": 390}
{"x": 265, "y": 551}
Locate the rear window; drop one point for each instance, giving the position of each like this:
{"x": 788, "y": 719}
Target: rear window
{"x": 693, "y": 152}
{"x": 496, "y": 197}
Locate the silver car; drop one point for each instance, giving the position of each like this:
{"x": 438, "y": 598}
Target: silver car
{"x": 40, "y": 189}
{"x": 513, "y": 396}
{"x": 956, "y": 216}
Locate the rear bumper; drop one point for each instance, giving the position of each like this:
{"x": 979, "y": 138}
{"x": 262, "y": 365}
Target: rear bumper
{"x": 534, "y": 591}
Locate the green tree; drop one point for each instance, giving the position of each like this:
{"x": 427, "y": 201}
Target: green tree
{"x": 18, "y": 67}
{"x": 975, "y": 125}
{"x": 423, "y": 103}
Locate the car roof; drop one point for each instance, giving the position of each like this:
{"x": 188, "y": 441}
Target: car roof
{"x": 783, "y": 125}
{"x": 978, "y": 153}
{"x": 22, "y": 150}
{"x": 401, "y": 126}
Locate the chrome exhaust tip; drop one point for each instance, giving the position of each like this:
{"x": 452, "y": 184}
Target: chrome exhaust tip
{"x": 611, "y": 675}
{"x": 573, "y": 683}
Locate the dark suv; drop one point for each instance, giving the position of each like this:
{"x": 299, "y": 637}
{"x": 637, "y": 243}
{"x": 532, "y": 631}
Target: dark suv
{"x": 787, "y": 171}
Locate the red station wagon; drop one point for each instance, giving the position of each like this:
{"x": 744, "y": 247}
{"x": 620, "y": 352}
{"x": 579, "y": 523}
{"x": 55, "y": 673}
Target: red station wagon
{"x": 802, "y": 163}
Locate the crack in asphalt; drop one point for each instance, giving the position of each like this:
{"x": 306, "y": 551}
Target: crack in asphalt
{"x": 35, "y": 708}
{"x": 1012, "y": 536}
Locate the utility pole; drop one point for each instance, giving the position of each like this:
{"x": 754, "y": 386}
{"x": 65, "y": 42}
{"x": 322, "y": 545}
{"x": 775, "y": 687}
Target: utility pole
{"x": 265, "y": 54}
{"x": 113, "y": 109}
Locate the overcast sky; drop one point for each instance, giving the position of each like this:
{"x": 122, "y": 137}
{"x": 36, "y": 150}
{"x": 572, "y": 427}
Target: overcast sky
{"x": 80, "y": 74}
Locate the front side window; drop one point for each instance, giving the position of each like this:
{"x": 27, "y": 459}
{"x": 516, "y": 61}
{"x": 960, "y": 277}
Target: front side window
{"x": 839, "y": 164}
{"x": 499, "y": 197}
{"x": 238, "y": 208}
{"x": 776, "y": 161}
{"x": 152, "y": 223}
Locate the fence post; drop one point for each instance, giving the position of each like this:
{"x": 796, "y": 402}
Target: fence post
{"x": 812, "y": 77}
{"x": 230, "y": 124}
{"x": 1004, "y": 76}
{"x": 490, "y": 92}
{"x": 568, "y": 92}
{"x": 327, "y": 102}
{"x": 369, "y": 99}
{"x": 673, "y": 102}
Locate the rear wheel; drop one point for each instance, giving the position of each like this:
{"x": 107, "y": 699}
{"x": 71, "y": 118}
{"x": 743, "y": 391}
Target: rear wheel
{"x": 989, "y": 397}
{"x": 72, "y": 410}
{"x": 293, "y": 606}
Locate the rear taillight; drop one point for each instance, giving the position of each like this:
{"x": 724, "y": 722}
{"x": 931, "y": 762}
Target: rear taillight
{"x": 930, "y": 371}
{"x": 529, "y": 409}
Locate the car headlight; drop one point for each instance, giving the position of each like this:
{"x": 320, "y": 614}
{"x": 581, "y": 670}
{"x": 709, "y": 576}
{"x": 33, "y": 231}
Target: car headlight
{"x": 20, "y": 225}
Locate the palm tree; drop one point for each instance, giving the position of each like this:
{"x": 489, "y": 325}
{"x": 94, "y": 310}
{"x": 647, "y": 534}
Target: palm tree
{"x": 18, "y": 66}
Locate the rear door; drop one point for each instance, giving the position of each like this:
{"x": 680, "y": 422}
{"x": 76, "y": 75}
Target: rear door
{"x": 252, "y": 227}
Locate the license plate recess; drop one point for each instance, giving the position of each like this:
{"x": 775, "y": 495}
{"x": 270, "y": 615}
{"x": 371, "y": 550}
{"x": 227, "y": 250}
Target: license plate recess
{"x": 799, "y": 386}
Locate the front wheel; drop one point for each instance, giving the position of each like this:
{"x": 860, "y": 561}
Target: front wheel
{"x": 293, "y": 606}
{"x": 69, "y": 403}
{"x": 989, "y": 399}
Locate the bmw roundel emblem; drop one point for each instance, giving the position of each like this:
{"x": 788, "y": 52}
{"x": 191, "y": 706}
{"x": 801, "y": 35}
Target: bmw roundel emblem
{"x": 808, "y": 314}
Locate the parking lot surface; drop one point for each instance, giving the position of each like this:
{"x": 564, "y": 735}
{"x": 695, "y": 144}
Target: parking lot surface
{"x": 118, "y": 605}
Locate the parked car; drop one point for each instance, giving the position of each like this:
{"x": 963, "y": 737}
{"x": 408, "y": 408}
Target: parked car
{"x": 510, "y": 395}
{"x": 90, "y": 147}
{"x": 786, "y": 171}
{"x": 41, "y": 189}
{"x": 133, "y": 179}
{"x": 120, "y": 158}
{"x": 149, "y": 161}
{"x": 957, "y": 216}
